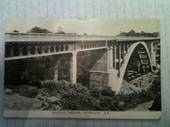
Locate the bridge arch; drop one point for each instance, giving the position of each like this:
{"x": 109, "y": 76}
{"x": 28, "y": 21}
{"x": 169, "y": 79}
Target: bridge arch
{"x": 127, "y": 57}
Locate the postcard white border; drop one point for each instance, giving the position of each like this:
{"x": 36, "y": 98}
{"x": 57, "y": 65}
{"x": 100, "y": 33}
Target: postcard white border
{"x": 84, "y": 114}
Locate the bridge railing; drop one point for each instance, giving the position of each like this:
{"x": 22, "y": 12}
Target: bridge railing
{"x": 34, "y": 37}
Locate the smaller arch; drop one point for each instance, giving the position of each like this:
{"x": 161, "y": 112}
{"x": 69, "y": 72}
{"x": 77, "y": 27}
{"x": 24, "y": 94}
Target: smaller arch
{"x": 81, "y": 45}
{"x": 25, "y": 50}
{"x": 93, "y": 45}
{"x": 45, "y": 49}
{"x": 33, "y": 50}
{"x": 52, "y": 49}
{"x": 66, "y": 47}
{"x": 87, "y": 46}
{"x": 39, "y": 49}
{"x": 62, "y": 48}
{"x": 16, "y": 51}
{"x": 57, "y": 48}
{"x": 8, "y": 51}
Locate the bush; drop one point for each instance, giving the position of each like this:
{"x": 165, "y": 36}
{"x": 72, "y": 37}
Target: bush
{"x": 28, "y": 91}
{"x": 106, "y": 91}
{"x": 79, "y": 97}
{"x": 95, "y": 93}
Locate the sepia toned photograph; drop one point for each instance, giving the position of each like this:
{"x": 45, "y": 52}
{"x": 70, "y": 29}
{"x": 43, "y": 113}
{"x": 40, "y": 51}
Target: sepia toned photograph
{"x": 82, "y": 68}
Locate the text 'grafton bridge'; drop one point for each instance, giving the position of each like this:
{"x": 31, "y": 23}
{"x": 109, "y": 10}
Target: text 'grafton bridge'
{"x": 110, "y": 66}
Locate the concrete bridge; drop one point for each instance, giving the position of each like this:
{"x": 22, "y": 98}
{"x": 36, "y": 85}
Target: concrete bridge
{"x": 109, "y": 69}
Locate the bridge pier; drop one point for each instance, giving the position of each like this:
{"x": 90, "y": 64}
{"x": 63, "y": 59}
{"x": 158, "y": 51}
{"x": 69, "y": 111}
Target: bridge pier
{"x": 114, "y": 56}
{"x": 112, "y": 72}
{"x": 119, "y": 58}
{"x": 56, "y": 70}
{"x": 73, "y": 68}
{"x": 153, "y": 54}
{"x": 122, "y": 52}
{"x": 110, "y": 58}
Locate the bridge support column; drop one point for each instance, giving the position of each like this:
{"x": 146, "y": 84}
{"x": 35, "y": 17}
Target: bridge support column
{"x": 112, "y": 73}
{"x": 139, "y": 67}
{"x": 124, "y": 50}
{"x": 114, "y": 56}
{"x": 119, "y": 58}
{"x": 110, "y": 58}
{"x": 56, "y": 70}
{"x": 153, "y": 54}
{"x": 73, "y": 68}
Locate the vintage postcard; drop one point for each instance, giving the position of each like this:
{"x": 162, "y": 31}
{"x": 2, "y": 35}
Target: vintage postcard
{"x": 82, "y": 68}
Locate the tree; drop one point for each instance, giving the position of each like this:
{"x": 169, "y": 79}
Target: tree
{"x": 38, "y": 30}
{"x": 16, "y": 31}
{"x": 131, "y": 33}
{"x": 142, "y": 33}
{"x": 60, "y": 31}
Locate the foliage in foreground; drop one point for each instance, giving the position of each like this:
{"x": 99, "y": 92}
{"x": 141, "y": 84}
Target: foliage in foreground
{"x": 61, "y": 95}
{"x": 78, "y": 97}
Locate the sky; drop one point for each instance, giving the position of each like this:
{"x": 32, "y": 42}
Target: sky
{"x": 108, "y": 27}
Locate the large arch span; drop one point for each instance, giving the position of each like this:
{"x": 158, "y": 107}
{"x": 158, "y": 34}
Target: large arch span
{"x": 118, "y": 81}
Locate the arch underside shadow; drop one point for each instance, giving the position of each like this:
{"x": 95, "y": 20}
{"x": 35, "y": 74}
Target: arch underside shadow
{"x": 134, "y": 47}
{"x": 138, "y": 64}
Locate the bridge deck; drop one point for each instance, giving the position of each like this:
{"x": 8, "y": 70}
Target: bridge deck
{"x": 51, "y": 37}
{"x": 41, "y": 37}
{"x": 27, "y": 45}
